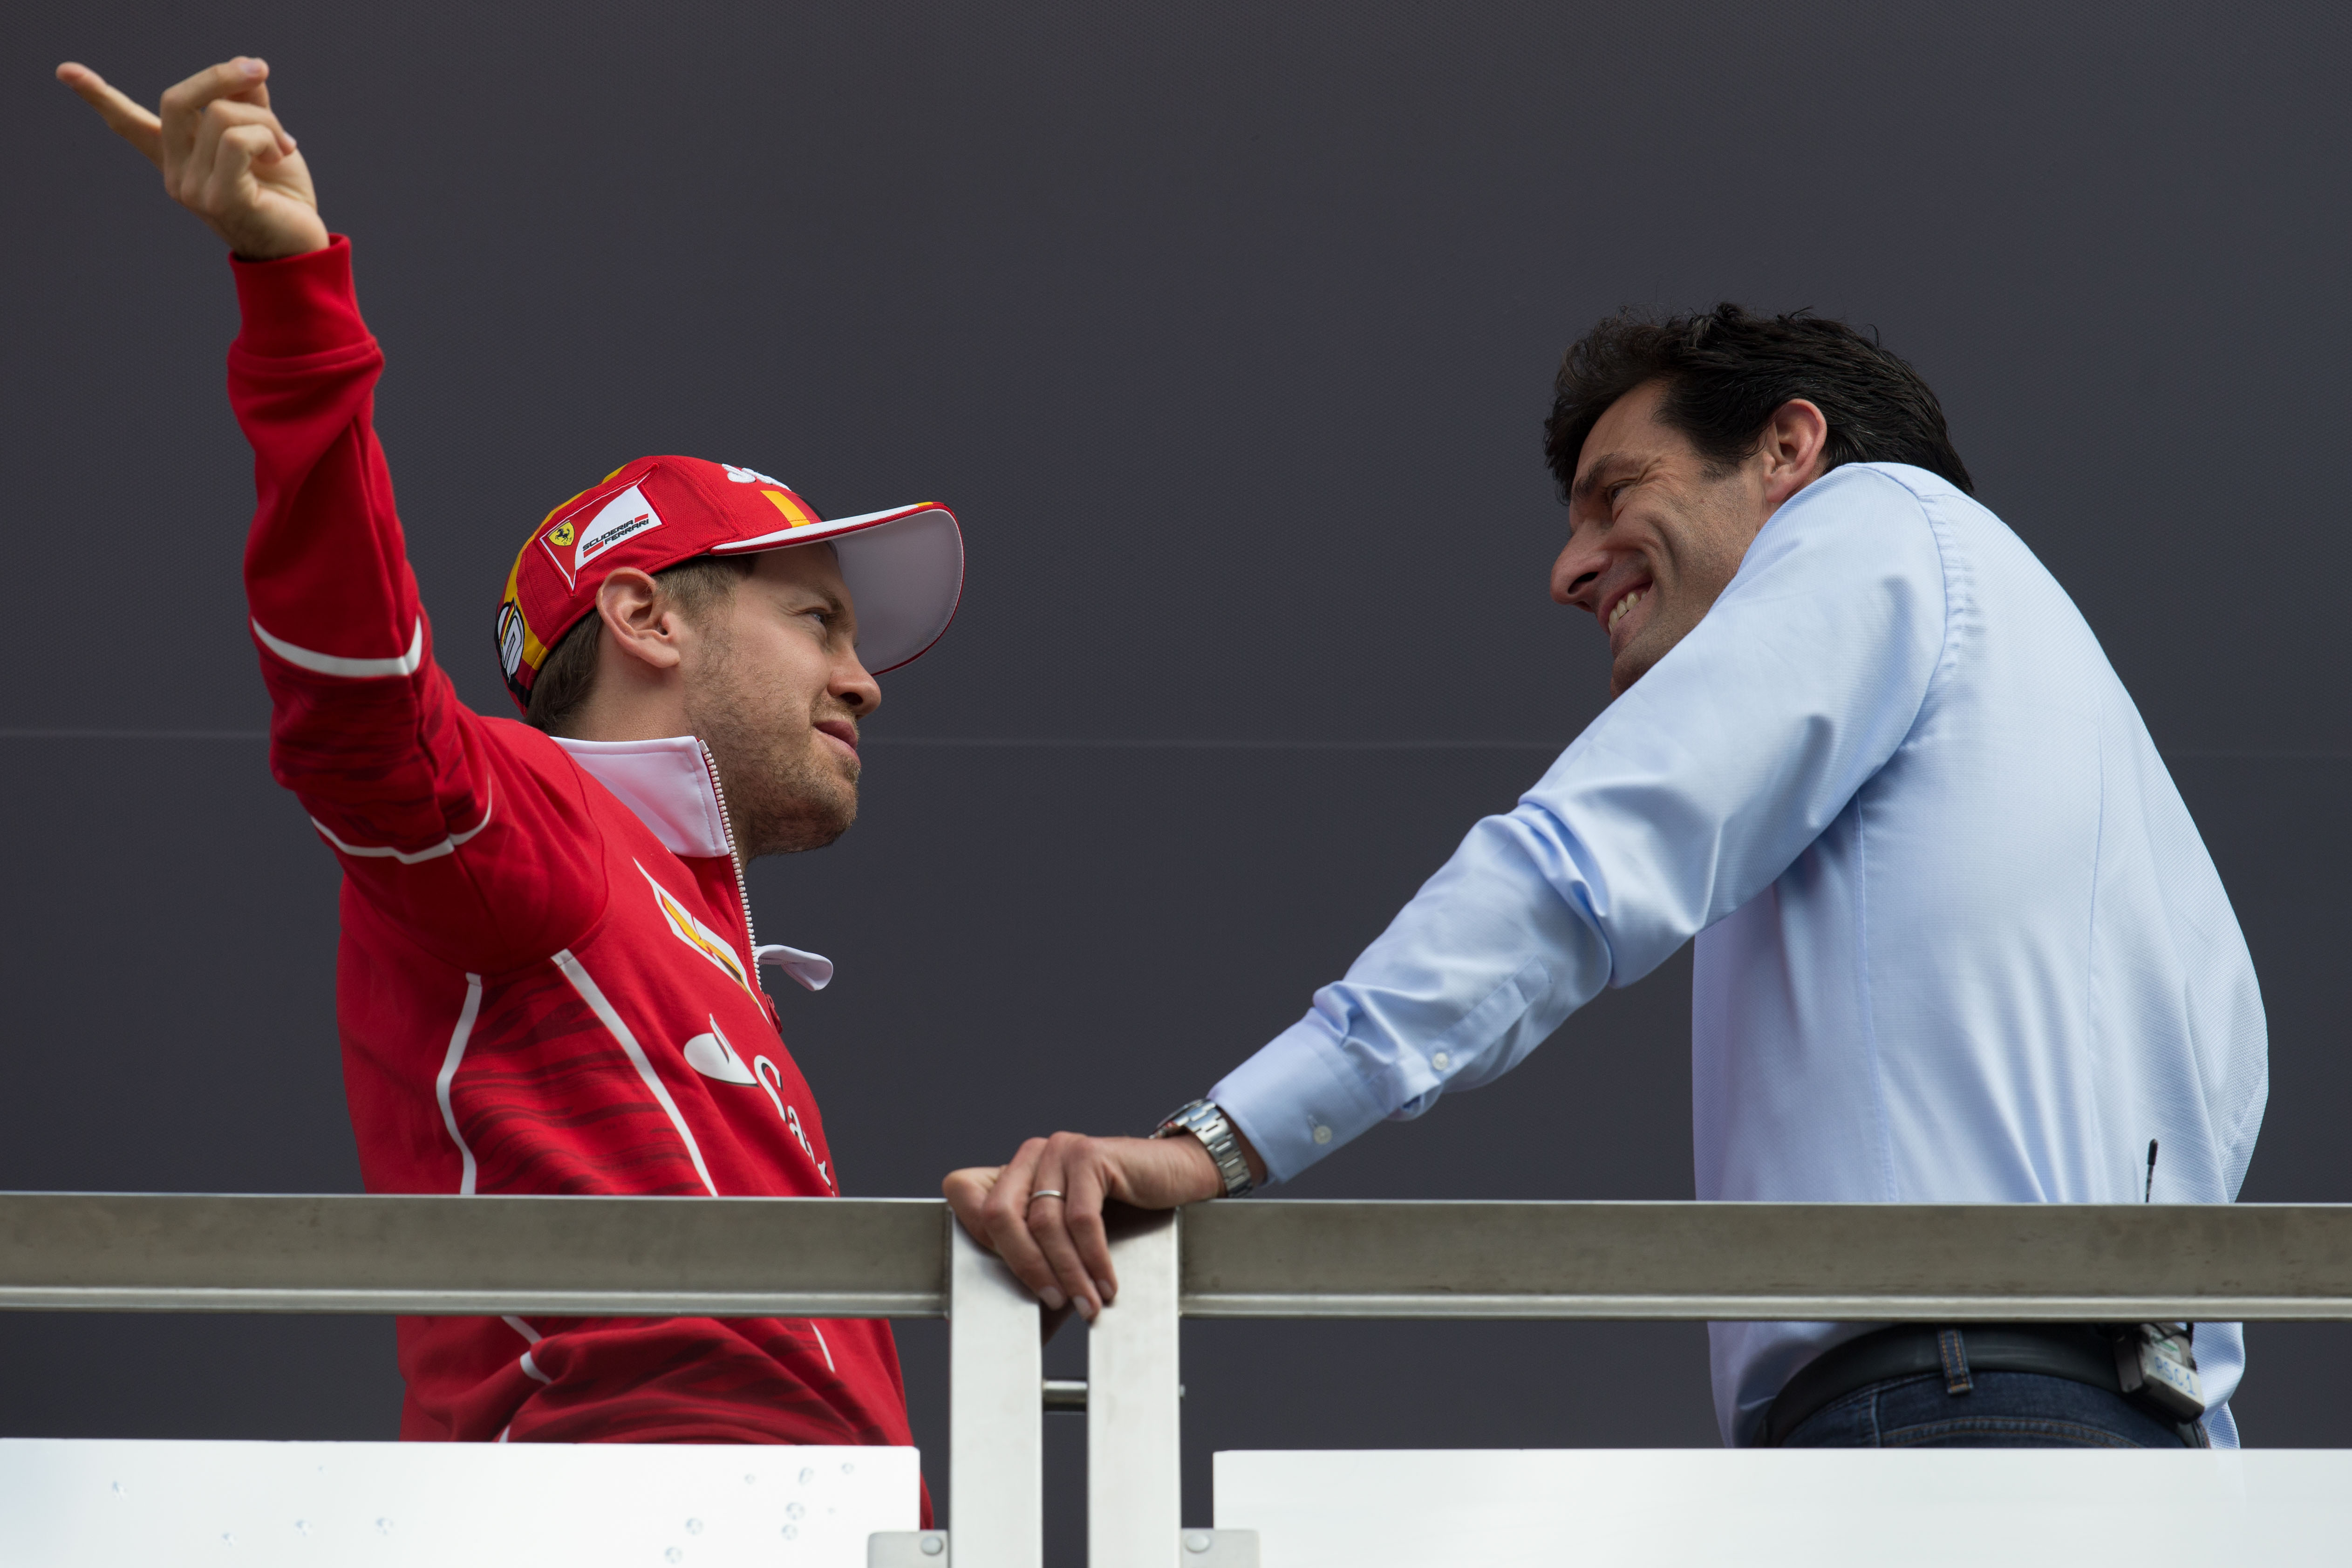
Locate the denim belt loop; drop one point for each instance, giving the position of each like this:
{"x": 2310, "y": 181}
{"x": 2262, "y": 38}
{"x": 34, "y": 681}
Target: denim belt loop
{"x": 1954, "y": 1348}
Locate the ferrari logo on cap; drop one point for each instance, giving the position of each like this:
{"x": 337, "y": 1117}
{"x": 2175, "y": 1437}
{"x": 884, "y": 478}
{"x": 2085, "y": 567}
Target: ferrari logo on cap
{"x": 618, "y": 518}
{"x": 621, "y": 518}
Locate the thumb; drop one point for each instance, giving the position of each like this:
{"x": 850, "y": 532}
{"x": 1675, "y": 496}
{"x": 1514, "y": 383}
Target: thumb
{"x": 967, "y": 1191}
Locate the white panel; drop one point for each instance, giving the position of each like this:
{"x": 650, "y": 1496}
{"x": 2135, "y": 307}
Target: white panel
{"x": 1134, "y": 1422}
{"x": 123, "y": 1504}
{"x": 1815, "y": 1508}
{"x": 996, "y": 1510}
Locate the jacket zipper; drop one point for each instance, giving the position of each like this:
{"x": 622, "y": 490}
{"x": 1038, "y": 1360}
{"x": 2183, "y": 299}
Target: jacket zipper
{"x": 727, "y": 826}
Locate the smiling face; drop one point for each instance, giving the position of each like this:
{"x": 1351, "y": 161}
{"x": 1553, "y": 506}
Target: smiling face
{"x": 1655, "y": 533}
{"x": 773, "y": 685}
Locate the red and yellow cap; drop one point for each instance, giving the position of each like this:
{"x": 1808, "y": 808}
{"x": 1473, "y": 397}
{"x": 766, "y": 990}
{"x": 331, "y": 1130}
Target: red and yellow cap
{"x": 904, "y": 567}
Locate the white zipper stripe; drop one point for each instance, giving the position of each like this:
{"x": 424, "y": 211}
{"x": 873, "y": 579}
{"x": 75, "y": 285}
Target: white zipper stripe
{"x": 734, "y": 855}
{"x": 589, "y": 992}
{"x": 457, "y": 1038}
{"x": 350, "y": 668}
{"x": 530, "y": 1334}
{"x": 819, "y": 1333}
{"x": 410, "y": 857}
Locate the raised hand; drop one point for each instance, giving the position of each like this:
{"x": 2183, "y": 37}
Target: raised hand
{"x": 222, "y": 155}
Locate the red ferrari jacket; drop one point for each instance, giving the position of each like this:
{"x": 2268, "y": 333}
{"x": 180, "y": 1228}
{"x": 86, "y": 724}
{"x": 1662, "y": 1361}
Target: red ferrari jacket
{"x": 547, "y": 980}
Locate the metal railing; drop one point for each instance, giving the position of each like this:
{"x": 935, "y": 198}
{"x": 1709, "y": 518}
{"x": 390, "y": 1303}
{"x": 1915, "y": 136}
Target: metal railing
{"x": 891, "y": 1258}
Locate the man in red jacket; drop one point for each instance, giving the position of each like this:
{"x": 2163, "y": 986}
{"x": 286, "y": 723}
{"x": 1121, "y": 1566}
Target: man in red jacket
{"x": 548, "y": 981}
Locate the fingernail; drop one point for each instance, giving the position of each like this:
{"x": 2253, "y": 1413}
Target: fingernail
{"x": 254, "y": 67}
{"x": 1086, "y": 1310}
{"x": 1055, "y": 1301}
{"x": 1103, "y": 1287}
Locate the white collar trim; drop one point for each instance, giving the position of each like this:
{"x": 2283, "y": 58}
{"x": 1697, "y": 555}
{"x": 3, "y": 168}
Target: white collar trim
{"x": 667, "y": 783}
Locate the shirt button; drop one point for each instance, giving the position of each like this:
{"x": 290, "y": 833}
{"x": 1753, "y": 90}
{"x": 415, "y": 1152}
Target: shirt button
{"x": 1322, "y": 1134}
{"x": 1441, "y": 1061}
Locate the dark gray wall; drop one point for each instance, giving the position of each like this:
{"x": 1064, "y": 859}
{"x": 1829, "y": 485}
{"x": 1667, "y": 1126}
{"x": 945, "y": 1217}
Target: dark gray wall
{"x": 1228, "y": 333}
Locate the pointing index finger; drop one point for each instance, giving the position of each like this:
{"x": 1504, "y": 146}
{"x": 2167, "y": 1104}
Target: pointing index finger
{"x": 126, "y": 119}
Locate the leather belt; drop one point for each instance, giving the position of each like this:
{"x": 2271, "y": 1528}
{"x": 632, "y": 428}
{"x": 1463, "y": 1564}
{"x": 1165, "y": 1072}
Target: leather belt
{"x": 2072, "y": 1351}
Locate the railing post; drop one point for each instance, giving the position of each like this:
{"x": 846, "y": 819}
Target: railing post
{"x": 1134, "y": 1419}
{"x": 996, "y": 1510}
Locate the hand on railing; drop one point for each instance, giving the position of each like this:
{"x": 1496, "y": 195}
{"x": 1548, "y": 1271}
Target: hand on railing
{"x": 1043, "y": 1213}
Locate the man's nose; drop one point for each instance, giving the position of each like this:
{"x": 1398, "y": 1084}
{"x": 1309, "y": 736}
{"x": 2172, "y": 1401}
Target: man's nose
{"x": 1576, "y": 570}
{"x": 858, "y": 691}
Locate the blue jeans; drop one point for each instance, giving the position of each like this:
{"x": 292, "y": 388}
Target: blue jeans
{"x": 2003, "y": 1410}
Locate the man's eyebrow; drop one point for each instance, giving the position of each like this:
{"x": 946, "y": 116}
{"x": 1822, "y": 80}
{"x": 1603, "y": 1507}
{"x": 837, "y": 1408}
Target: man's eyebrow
{"x": 833, "y": 601}
{"x": 1604, "y": 470}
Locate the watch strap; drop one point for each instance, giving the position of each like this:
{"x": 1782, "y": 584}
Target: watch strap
{"x": 1205, "y": 1120}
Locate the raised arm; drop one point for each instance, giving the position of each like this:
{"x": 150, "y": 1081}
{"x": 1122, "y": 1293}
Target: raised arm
{"x": 439, "y": 822}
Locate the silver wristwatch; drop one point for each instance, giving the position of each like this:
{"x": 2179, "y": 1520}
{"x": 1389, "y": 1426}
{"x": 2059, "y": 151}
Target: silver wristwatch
{"x": 1203, "y": 1121}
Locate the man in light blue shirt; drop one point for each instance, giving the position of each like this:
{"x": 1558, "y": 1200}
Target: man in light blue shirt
{"x": 1958, "y": 939}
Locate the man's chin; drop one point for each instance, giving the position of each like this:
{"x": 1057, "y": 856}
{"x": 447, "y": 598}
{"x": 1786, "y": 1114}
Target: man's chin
{"x": 1628, "y": 668}
{"x": 1642, "y": 653}
{"x": 798, "y": 840}
{"x": 818, "y": 839}
{"x": 812, "y": 826}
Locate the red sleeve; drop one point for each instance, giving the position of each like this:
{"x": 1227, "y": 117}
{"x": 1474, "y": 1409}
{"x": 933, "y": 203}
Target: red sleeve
{"x": 438, "y": 815}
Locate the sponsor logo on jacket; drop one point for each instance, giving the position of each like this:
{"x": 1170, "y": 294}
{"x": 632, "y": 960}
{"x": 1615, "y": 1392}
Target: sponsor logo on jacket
{"x": 713, "y": 1056}
{"x": 715, "y": 949}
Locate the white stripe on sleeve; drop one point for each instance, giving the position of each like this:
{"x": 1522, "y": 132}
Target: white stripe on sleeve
{"x": 349, "y": 668}
{"x": 410, "y": 857}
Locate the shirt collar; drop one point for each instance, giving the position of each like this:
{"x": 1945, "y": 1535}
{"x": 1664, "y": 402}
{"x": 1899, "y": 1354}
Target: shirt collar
{"x": 666, "y": 782}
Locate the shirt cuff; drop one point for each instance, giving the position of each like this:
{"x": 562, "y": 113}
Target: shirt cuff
{"x": 299, "y": 304}
{"x": 1297, "y": 1098}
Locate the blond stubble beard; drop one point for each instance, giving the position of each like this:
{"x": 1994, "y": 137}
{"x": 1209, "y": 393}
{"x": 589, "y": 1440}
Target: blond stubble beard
{"x": 786, "y": 791}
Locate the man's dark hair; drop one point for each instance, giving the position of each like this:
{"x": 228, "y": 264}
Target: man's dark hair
{"x": 569, "y": 672}
{"x": 1725, "y": 372}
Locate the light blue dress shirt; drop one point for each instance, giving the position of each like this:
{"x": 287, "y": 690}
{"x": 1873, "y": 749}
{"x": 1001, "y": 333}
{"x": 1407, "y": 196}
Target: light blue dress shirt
{"x": 1958, "y": 939}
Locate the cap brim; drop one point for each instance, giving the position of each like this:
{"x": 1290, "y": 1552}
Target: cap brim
{"x": 904, "y": 569}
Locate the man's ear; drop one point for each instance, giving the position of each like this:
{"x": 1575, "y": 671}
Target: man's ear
{"x": 1794, "y": 442}
{"x": 639, "y": 619}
